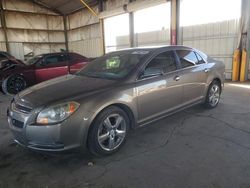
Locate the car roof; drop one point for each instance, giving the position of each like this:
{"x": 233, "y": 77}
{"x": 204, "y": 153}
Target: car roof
{"x": 155, "y": 48}
{"x": 57, "y": 53}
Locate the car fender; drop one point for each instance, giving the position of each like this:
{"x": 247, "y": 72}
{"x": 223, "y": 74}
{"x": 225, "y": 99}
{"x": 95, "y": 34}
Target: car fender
{"x": 216, "y": 72}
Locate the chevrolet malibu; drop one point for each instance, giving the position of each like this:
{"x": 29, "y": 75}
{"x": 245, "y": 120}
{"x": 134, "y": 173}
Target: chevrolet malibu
{"x": 96, "y": 107}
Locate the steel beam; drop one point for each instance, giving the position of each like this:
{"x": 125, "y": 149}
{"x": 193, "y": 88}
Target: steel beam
{"x": 131, "y": 30}
{"x": 101, "y": 8}
{"x": 29, "y": 12}
{"x": 65, "y": 32}
{"x": 3, "y": 22}
{"x": 88, "y": 7}
{"x": 81, "y": 8}
{"x": 174, "y": 21}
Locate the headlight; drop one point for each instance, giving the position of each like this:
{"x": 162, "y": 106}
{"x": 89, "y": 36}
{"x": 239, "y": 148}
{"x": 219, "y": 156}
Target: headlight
{"x": 56, "y": 113}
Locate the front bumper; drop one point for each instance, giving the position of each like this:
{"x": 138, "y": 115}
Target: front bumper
{"x": 67, "y": 135}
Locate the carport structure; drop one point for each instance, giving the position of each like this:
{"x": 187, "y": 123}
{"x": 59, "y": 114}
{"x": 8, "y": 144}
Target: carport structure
{"x": 194, "y": 148}
{"x": 40, "y": 26}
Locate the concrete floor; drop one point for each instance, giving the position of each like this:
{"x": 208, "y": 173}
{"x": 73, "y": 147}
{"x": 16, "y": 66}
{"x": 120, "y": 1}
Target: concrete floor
{"x": 196, "y": 148}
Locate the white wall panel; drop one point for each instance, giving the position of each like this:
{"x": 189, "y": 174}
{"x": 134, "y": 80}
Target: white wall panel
{"x": 153, "y": 38}
{"x": 218, "y": 40}
{"x": 55, "y": 22}
{"x": 27, "y": 36}
{"x": 23, "y": 20}
{"x": 85, "y": 40}
{"x": 82, "y": 18}
{"x": 2, "y": 46}
{"x": 56, "y": 36}
{"x": 31, "y": 32}
{"x": 92, "y": 31}
{"x": 16, "y": 49}
{"x": 88, "y": 47}
{"x": 42, "y": 48}
{"x": 122, "y": 42}
{"x": 2, "y": 38}
{"x": 26, "y": 6}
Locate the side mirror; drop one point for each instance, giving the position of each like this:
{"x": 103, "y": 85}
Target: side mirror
{"x": 152, "y": 71}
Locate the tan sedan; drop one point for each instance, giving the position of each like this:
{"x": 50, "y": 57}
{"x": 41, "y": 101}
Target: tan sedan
{"x": 96, "y": 107}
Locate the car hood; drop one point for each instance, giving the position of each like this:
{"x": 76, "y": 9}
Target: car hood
{"x": 64, "y": 88}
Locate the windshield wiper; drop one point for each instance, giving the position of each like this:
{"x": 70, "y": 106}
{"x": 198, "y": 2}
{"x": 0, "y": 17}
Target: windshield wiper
{"x": 92, "y": 75}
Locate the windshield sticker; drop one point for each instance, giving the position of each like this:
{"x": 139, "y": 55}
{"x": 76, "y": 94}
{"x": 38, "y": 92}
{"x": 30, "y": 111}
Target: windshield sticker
{"x": 140, "y": 52}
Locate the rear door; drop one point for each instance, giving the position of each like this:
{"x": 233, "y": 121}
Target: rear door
{"x": 203, "y": 73}
{"x": 158, "y": 89}
{"x": 193, "y": 76}
{"x": 51, "y": 66}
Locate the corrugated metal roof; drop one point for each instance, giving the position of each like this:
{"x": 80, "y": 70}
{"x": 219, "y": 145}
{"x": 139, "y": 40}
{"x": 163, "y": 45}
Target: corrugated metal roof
{"x": 64, "y": 6}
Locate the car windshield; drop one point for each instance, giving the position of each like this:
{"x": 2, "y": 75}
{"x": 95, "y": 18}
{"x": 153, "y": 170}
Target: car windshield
{"x": 33, "y": 60}
{"x": 115, "y": 65}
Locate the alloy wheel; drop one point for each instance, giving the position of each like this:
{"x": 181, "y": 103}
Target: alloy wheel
{"x": 112, "y": 132}
{"x": 214, "y": 95}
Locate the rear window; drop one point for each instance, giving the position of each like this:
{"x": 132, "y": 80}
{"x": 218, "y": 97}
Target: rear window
{"x": 187, "y": 58}
{"x": 200, "y": 59}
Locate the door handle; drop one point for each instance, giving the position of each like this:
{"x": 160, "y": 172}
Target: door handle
{"x": 177, "y": 78}
{"x": 206, "y": 70}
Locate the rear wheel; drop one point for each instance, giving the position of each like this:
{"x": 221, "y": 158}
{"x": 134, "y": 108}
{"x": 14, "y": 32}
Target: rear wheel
{"x": 13, "y": 84}
{"x": 213, "y": 95}
{"x": 108, "y": 132}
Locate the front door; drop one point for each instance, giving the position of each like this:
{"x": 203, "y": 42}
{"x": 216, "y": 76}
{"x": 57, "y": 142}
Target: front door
{"x": 158, "y": 89}
{"x": 51, "y": 66}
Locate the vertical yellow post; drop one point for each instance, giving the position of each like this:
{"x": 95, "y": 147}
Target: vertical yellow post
{"x": 243, "y": 67}
{"x": 236, "y": 65}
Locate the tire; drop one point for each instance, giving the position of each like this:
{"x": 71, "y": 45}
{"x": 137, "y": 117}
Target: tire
{"x": 13, "y": 84}
{"x": 108, "y": 132}
{"x": 213, "y": 95}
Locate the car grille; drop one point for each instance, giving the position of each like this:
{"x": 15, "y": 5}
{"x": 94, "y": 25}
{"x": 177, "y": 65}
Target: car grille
{"x": 17, "y": 123}
{"x": 21, "y": 108}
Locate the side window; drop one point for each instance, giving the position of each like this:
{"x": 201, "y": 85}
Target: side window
{"x": 187, "y": 58}
{"x": 70, "y": 57}
{"x": 55, "y": 59}
{"x": 162, "y": 63}
{"x": 200, "y": 60}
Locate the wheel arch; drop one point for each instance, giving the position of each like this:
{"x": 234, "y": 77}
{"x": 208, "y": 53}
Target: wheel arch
{"x": 217, "y": 79}
{"x": 122, "y": 106}
{"x": 6, "y": 77}
{"x": 14, "y": 74}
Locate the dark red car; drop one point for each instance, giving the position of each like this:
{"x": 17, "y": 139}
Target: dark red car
{"x": 16, "y": 77}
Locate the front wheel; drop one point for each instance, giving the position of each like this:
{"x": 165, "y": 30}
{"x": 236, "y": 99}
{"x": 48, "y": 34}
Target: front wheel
{"x": 213, "y": 95}
{"x": 13, "y": 84}
{"x": 108, "y": 132}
